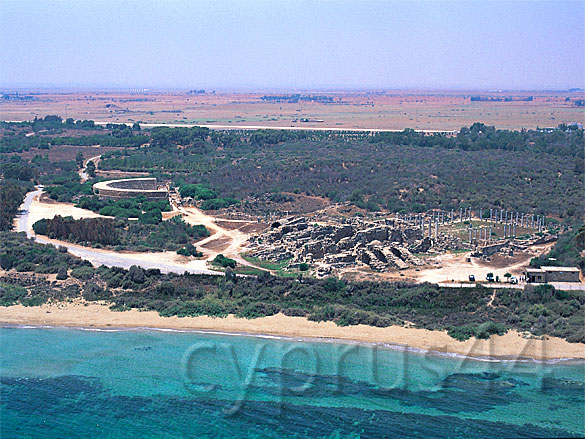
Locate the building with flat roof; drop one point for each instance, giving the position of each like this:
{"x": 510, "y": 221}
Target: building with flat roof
{"x": 552, "y": 274}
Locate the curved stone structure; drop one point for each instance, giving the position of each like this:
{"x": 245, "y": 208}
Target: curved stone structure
{"x": 130, "y": 188}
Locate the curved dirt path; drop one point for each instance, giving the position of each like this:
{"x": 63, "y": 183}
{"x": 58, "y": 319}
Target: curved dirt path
{"x": 235, "y": 238}
{"x": 33, "y": 209}
{"x": 83, "y": 175}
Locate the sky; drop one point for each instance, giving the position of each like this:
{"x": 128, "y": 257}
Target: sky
{"x": 293, "y": 44}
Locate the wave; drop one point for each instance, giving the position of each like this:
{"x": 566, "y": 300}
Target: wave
{"x": 388, "y": 346}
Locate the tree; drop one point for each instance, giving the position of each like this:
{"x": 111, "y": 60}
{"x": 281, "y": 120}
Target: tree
{"x": 40, "y": 227}
{"x": 197, "y": 191}
{"x": 224, "y": 262}
{"x": 17, "y": 171}
{"x": 151, "y": 217}
{"x": 189, "y": 250}
{"x": 11, "y": 196}
{"x": 6, "y": 261}
{"x": 90, "y": 169}
{"x": 136, "y": 274}
{"x": 230, "y": 275}
{"x": 62, "y": 273}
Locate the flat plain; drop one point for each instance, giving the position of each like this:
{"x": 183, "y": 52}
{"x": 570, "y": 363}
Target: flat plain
{"x": 375, "y": 110}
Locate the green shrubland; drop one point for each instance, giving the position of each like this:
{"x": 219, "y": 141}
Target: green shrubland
{"x": 463, "y": 312}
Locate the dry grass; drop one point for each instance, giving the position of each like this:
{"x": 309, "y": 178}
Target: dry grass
{"x": 59, "y": 153}
{"x": 432, "y": 110}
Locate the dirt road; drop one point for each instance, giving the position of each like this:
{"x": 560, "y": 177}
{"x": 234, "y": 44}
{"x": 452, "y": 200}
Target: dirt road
{"x": 83, "y": 172}
{"x": 230, "y": 241}
{"x": 33, "y": 209}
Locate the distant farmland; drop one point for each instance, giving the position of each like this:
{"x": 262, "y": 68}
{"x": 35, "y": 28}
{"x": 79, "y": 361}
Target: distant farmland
{"x": 365, "y": 110}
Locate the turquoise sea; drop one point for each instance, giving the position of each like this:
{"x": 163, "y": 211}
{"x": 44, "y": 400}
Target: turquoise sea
{"x": 70, "y": 383}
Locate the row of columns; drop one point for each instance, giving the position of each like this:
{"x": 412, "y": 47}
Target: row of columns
{"x": 508, "y": 219}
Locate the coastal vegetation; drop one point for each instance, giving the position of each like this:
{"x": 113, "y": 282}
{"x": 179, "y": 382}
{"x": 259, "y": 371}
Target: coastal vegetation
{"x": 532, "y": 171}
{"x": 121, "y": 234}
{"x": 139, "y": 207}
{"x": 52, "y": 130}
{"x": 529, "y": 171}
{"x": 11, "y": 195}
{"x": 463, "y": 312}
{"x": 568, "y": 251}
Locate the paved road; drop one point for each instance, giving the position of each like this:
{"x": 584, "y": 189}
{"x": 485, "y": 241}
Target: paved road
{"x": 557, "y": 285}
{"x": 284, "y": 127}
{"x": 267, "y": 127}
{"x": 103, "y": 257}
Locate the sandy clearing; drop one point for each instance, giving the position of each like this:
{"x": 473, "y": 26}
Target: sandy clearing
{"x": 454, "y": 267}
{"x": 510, "y": 345}
{"x": 39, "y": 210}
{"x": 234, "y": 238}
{"x": 34, "y": 209}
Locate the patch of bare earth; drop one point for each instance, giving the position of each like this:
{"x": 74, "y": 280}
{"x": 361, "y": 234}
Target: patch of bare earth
{"x": 242, "y": 226}
{"x": 59, "y": 153}
{"x": 218, "y": 244}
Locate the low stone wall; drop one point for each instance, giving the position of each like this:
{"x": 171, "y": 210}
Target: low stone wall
{"x": 492, "y": 249}
{"x": 130, "y": 188}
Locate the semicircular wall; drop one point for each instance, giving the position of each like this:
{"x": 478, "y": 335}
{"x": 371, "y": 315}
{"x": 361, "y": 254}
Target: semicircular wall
{"x": 130, "y": 188}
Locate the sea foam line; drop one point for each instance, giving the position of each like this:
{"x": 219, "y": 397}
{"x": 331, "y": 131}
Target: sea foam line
{"x": 388, "y": 346}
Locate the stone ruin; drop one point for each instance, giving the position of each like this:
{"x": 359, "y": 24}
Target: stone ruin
{"x": 508, "y": 246}
{"x": 382, "y": 246}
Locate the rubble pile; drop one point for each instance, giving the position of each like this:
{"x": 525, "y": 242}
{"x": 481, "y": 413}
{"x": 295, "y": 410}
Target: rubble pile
{"x": 384, "y": 245}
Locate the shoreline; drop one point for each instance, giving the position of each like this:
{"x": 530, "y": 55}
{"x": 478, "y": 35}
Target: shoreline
{"x": 509, "y": 347}
{"x": 306, "y": 339}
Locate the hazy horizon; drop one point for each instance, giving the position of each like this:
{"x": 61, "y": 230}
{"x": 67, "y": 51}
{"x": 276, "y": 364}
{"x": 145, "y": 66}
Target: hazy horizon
{"x": 293, "y": 45}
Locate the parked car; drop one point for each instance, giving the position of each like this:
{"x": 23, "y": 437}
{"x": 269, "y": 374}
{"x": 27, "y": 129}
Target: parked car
{"x": 513, "y": 280}
{"x": 471, "y": 278}
{"x": 490, "y": 277}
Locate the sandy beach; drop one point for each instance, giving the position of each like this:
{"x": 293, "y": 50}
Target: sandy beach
{"x": 511, "y": 345}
